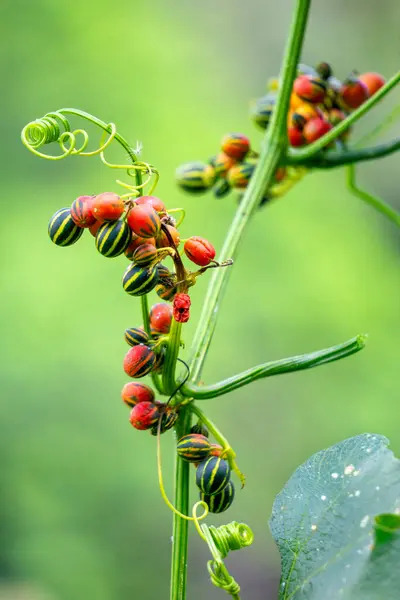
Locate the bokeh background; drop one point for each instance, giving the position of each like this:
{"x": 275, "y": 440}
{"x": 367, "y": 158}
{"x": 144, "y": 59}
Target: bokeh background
{"x": 81, "y": 513}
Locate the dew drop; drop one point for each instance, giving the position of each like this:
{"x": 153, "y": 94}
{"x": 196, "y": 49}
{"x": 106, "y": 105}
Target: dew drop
{"x": 334, "y": 475}
{"x": 313, "y": 527}
{"x": 357, "y": 493}
{"x": 364, "y": 521}
{"x": 323, "y": 497}
{"x": 349, "y": 469}
{"x": 368, "y": 450}
{"x": 377, "y": 488}
{"x": 356, "y": 473}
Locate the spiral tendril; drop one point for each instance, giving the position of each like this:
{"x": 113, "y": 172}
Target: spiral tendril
{"x": 55, "y": 127}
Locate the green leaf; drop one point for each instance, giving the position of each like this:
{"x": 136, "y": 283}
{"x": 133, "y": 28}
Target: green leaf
{"x": 323, "y": 524}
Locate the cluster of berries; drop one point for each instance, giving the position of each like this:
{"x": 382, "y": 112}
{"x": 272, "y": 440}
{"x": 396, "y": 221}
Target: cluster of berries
{"x": 212, "y": 471}
{"x": 318, "y": 102}
{"x": 146, "y": 355}
{"x": 145, "y": 232}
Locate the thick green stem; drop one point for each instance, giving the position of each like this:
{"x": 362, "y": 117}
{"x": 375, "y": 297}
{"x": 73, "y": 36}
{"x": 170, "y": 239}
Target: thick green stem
{"x": 299, "y": 156}
{"x": 273, "y": 149}
{"x": 276, "y": 367}
{"x": 373, "y": 201}
{"x": 330, "y": 160}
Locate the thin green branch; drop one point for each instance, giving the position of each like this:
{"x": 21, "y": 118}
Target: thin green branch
{"x": 330, "y": 160}
{"x": 373, "y": 201}
{"x": 276, "y": 367}
{"x": 299, "y": 156}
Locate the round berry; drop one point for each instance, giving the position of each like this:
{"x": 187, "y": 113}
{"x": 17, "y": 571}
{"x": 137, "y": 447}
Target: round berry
{"x": 139, "y": 361}
{"x": 168, "y": 419}
{"x": 213, "y": 475}
{"x": 95, "y": 227}
{"x": 138, "y": 281}
{"x": 135, "y": 336}
{"x": 160, "y": 318}
{"x": 163, "y": 241}
{"x": 135, "y": 243}
{"x": 239, "y": 175}
{"x": 166, "y": 292}
{"x": 144, "y": 415}
{"x": 218, "y": 503}
{"x": 324, "y": 70}
{"x": 310, "y": 88}
{"x": 193, "y": 447}
{"x": 195, "y": 176}
{"x": 235, "y": 145}
{"x": 222, "y": 164}
{"x": 353, "y": 93}
{"x": 132, "y": 393}
{"x": 81, "y": 211}
{"x": 199, "y": 251}
{"x": 262, "y": 109}
{"x": 107, "y": 207}
{"x": 152, "y": 201}
{"x": 62, "y": 230}
{"x": 299, "y": 117}
{"x": 144, "y": 221}
{"x": 112, "y": 238}
{"x": 372, "y": 81}
{"x": 144, "y": 254}
{"x": 315, "y": 129}
{"x": 295, "y": 137}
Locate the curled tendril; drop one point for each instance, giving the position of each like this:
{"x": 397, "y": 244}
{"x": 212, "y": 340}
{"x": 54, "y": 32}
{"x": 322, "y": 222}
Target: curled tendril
{"x": 221, "y": 540}
{"x": 55, "y": 127}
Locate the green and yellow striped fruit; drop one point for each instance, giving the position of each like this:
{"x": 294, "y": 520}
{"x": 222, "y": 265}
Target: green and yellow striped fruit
{"x": 139, "y": 280}
{"x": 112, "y": 238}
{"x": 218, "y": 503}
{"x": 135, "y": 336}
{"x": 262, "y": 109}
{"x": 199, "y": 427}
{"x": 168, "y": 419}
{"x": 195, "y": 176}
{"x": 62, "y": 229}
{"x": 239, "y": 175}
{"x": 144, "y": 255}
{"x": 213, "y": 475}
{"x": 193, "y": 447}
{"x": 221, "y": 188}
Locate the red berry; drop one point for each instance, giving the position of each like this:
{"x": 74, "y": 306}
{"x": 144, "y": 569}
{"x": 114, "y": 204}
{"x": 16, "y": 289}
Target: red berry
{"x": 162, "y": 240}
{"x": 135, "y": 243}
{"x": 152, "y": 201}
{"x": 81, "y": 211}
{"x": 181, "y": 307}
{"x": 296, "y": 137}
{"x": 373, "y": 82}
{"x": 107, "y": 207}
{"x": 95, "y": 227}
{"x": 353, "y": 93}
{"x": 144, "y": 221}
{"x": 216, "y": 450}
{"x": 222, "y": 163}
{"x": 235, "y": 145}
{"x": 160, "y": 318}
{"x": 132, "y": 393}
{"x": 315, "y": 129}
{"x": 139, "y": 361}
{"x": 144, "y": 415}
{"x": 199, "y": 251}
{"x": 310, "y": 88}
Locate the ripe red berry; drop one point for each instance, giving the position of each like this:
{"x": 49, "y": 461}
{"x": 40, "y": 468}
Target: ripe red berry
{"x": 162, "y": 240}
{"x": 372, "y": 81}
{"x": 135, "y": 243}
{"x": 139, "y": 361}
{"x": 310, "y": 88}
{"x": 315, "y": 129}
{"x": 160, "y": 318}
{"x": 144, "y": 221}
{"x": 95, "y": 227}
{"x": 144, "y": 415}
{"x": 107, "y": 207}
{"x": 199, "y": 251}
{"x": 181, "y": 307}
{"x": 132, "y": 393}
{"x": 353, "y": 93}
{"x": 296, "y": 137}
{"x": 235, "y": 145}
{"x": 152, "y": 201}
{"x": 81, "y": 211}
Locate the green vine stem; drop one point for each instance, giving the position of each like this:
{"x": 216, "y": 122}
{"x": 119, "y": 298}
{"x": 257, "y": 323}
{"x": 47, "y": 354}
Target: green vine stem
{"x": 325, "y": 160}
{"x": 273, "y": 149}
{"x": 373, "y": 201}
{"x": 299, "y": 156}
{"x": 276, "y": 367}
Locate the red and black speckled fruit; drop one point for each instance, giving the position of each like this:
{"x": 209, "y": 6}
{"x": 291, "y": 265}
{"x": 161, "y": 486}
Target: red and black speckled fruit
{"x": 199, "y": 250}
{"x": 133, "y": 392}
{"x": 107, "y": 207}
{"x": 144, "y": 221}
{"x": 144, "y": 415}
{"x": 153, "y": 201}
{"x": 235, "y": 145}
{"x": 160, "y": 318}
{"x": 81, "y": 211}
{"x": 139, "y": 361}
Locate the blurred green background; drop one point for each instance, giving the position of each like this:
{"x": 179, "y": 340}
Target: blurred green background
{"x": 81, "y": 515}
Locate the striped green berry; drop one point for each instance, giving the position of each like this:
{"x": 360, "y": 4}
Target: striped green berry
{"x": 112, "y": 238}
{"x": 139, "y": 280}
{"x": 62, "y": 229}
{"x": 135, "y": 336}
{"x": 213, "y": 475}
{"x": 144, "y": 255}
{"x": 166, "y": 292}
{"x": 218, "y": 503}
{"x": 168, "y": 420}
{"x": 195, "y": 176}
{"x": 193, "y": 447}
